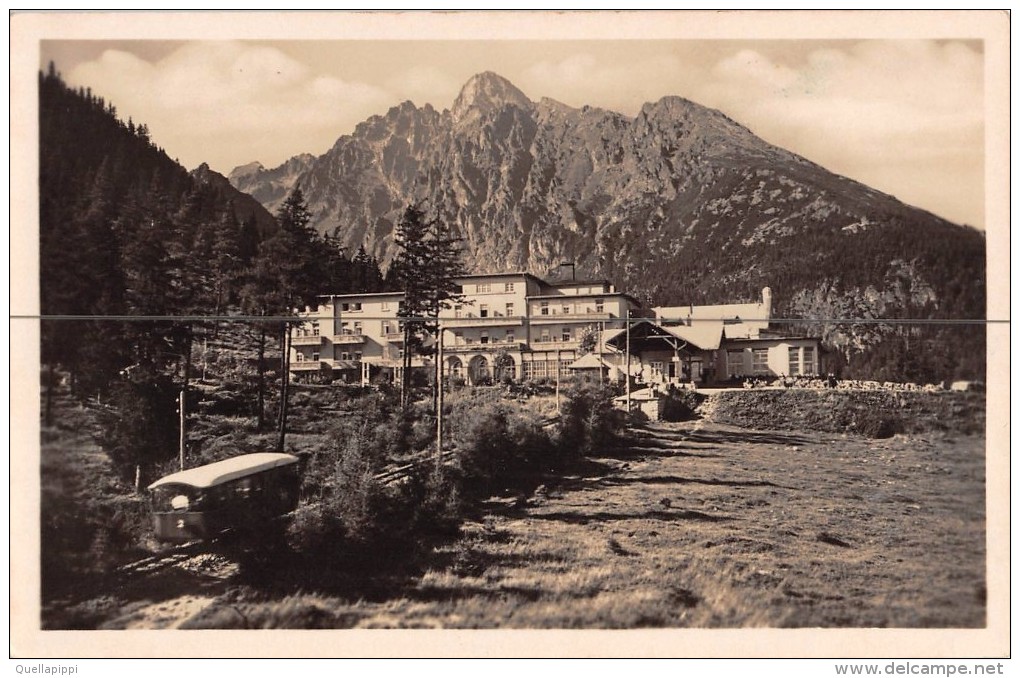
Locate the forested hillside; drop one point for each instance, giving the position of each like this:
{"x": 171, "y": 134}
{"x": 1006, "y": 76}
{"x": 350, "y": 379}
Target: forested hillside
{"x": 139, "y": 261}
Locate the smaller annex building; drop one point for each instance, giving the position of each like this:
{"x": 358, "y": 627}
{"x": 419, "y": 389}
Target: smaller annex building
{"x": 707, "y": 346}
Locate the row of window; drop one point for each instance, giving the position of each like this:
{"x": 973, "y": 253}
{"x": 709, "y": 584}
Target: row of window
{"x": 800, "y": 360}
{"x": 483, "y": 338}
{"x": 544, "y": 308}
{"x": 544, "y": 369}
{"x": 509, "y": 337}
{"x": 486, "y": 288}
{"x": 484, "y": 311}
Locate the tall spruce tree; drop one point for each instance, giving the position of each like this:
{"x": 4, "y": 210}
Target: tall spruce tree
{"x": 427, "y": 263}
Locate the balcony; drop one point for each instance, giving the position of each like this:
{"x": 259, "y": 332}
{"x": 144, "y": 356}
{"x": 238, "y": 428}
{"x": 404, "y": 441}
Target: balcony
{"x": 348, "y": 339}
{"x": 555, "y": 345}
{"x": 537, "y": 319}
{"x": 395, "y": 337}
{"x": 305, "y": 365}
{"x": 488, "y": 321}
{"x": 306, "y": 340}
{"x": 480, "y": 347}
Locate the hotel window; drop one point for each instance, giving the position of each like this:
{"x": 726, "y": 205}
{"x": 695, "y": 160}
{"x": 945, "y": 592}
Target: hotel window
{"x": 345, "y": 306}
{"x": 566, "y": 309}
{"x": 385, "y": 305}
{"x": 315, "y": 331}
{"x": 299, "y": 357}
{"x": 544, "y": 308}
{"x": 760, "y": 360}
{"x": 483, "y": 288}
{"x": 345, "y": 356}
{"x": 509, "y": 310}
{"x": 484, "y": 338}
{"x": 809, "y": 360}
{"x": 357, "y": 327}
{"x": 357, "y": 356}
{"x": 509, "y": 287}
{"x": 735, "y": 363}
{"x": 458, "y": 311}
{"x": 545, "y": 336}
{"x": 600, "y": 305}
{"x": 509, "y": 336}
{"x": 387, "y": 327}
{"x": 565, "y": 335}
{"x": 483, "y": 311}
{"x": 315, "y": 357}
{"x": 356, "y": 306}
{"x": 458, "y": 338}
{"x": 794, "y": 361}
{"x": 656, "y": 367}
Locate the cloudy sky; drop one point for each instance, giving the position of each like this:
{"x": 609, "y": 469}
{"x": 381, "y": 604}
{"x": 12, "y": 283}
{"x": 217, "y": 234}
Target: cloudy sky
{"x": 903, "y": 116}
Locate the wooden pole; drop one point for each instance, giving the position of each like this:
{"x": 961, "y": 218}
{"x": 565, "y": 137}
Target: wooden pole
{"x": 439, "y": 394}
{"x": 181, "y": 427}
{"x": 557, "y": 381}
{"x": 627, "y": 326}
{"x": 281, "y": 439}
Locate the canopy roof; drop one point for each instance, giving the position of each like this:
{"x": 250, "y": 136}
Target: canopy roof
{"x": 705, "y": 335}
{"x": 226, "y": 470}
{"x": 589, "y": 361}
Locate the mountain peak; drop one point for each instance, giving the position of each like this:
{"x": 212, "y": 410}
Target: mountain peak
{"x": 485, "y": 92}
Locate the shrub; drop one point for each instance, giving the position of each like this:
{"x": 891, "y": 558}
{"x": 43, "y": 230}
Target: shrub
{"x": 499, "y": 444}
{"x": 681, "y": 405}
{"x": 589, "y": 421}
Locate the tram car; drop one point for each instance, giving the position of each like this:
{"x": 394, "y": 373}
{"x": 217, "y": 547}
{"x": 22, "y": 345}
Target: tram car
{"x": 241, "y": 495}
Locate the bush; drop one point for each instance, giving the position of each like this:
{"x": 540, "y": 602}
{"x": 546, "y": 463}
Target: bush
{"x": 500, "y": 445}
{"x": 589, "y": 421}
{"x": 681, "y": 405}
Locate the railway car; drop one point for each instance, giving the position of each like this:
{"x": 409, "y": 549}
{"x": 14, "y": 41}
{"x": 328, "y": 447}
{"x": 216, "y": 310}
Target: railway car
{"x": 242, "y": 496}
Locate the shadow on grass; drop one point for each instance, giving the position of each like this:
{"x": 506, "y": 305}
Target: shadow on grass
{"x": 668, "y": 516}
{"x": 99, "y": 598}
{"x": 680, "y": 480}
{"x": 721, "y": 437}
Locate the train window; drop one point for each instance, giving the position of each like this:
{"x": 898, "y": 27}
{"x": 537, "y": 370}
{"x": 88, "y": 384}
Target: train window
{"x": 180, "y": 503}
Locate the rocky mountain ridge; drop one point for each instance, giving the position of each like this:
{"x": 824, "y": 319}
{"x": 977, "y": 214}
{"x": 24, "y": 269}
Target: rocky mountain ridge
{"x": 679, "y": 204}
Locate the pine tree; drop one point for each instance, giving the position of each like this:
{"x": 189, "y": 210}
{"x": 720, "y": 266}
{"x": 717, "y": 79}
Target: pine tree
{"x": 426, "y": 265}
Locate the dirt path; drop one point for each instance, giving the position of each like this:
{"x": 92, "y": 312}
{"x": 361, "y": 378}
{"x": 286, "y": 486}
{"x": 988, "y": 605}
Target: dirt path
{"x": 708, "y": 525}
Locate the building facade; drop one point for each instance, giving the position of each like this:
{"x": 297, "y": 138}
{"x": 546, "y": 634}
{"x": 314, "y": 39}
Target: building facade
{"x": 518, "y": 326}
{"x": 509, "y": 325}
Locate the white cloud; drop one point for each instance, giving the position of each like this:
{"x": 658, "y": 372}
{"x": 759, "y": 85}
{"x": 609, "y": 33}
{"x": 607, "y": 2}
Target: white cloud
{"x": 423, "y": 84}
{"x": 857, "y": 110}
{"x": 206, "y": 100}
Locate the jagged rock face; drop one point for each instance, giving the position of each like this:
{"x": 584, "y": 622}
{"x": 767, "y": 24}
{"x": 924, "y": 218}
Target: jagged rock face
{"x": 270, "y": 187}
{"x": 678, "y": 204}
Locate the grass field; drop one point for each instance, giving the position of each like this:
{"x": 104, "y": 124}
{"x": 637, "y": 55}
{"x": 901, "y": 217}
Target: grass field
{"x": 700, "y": 525}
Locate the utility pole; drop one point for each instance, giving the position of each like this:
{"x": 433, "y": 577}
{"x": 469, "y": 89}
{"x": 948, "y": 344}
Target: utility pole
{"x": 439, "y": 395}
{"x": 557, "y": 382}
{"x": 627, "y": 326}
{"x": 181, "y": 436}
{"x": 285, "y": 388}
{"x": 602, "y": 329}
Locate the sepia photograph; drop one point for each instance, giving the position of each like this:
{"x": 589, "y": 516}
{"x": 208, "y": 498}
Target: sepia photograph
{"x": 593, "y": 321}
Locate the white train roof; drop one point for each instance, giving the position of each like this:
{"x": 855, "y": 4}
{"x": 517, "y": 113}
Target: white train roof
{"x": 226, "y": 470}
